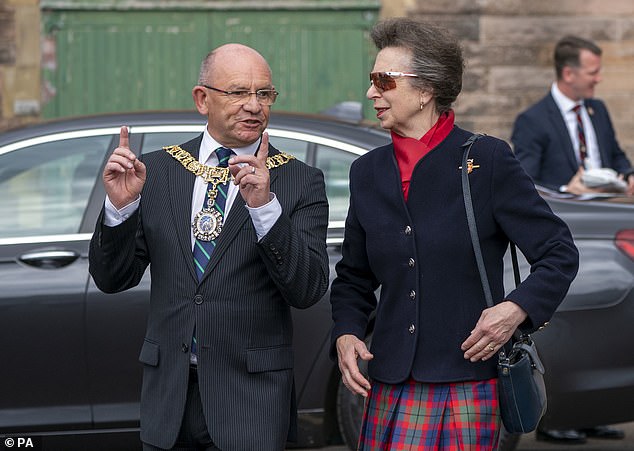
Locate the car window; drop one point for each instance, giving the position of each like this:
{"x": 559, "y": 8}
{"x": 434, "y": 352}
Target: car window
{"x": 44, "y": 188}
{"x": 335, "y": 163}
{"x": 295, "y": 147}
{"x": 156, "y": 141}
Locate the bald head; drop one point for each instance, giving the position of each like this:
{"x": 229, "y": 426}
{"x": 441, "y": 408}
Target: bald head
{"x": 231, "y": 57}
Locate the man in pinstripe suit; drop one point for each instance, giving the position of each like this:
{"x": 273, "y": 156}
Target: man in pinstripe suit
{"x": 235, "y": 391}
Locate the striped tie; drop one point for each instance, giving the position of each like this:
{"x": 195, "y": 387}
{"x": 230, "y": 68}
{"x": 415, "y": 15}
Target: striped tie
{"x": 204, "y": 249}
{"x": 581, "y": 135}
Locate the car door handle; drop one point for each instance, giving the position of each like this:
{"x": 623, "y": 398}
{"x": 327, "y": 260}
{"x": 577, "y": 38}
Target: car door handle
{"x": 49, "y": 259}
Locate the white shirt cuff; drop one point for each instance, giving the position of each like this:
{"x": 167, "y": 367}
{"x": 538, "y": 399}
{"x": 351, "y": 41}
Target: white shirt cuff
{"x": 114, "y": 217}
{"x": 264, "y": 217}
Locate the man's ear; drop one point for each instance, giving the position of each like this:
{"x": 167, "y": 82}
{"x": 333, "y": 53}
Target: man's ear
{"x": 199, "y": 94}
{"x": 566, "y": 73}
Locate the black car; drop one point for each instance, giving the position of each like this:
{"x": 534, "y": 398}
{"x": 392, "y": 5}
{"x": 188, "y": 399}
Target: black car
{"x": 70, "y": 352}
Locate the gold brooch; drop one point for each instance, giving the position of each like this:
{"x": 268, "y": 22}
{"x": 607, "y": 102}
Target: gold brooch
{"x": 470, "y": 165}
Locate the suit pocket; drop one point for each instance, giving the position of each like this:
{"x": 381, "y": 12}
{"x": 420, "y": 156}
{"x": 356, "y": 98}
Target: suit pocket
{"x": 149, "y": 353}
{"x": 269, "y": 359}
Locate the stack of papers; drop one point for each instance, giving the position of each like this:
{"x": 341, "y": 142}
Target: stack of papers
{"x": 604, "y": 178}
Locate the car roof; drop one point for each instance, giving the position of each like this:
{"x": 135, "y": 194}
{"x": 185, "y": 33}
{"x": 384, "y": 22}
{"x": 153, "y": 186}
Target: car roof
{"x": 361, "y": 134}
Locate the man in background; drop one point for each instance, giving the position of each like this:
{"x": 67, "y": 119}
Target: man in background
{"x": 568, "y": 132}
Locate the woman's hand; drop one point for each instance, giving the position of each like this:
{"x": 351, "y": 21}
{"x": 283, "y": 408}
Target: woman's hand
{"x": 494, "y": 328}
{"x": 349, "y": 349}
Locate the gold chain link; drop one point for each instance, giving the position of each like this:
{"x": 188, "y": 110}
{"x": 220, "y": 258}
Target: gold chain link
{"x": 214, "y": 174}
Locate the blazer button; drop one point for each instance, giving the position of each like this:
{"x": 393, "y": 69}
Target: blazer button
{"x": 184, "y": 347}
{"x": 412, "y": 329}
{"x": 412, "y": 295}
{"x": 198, "y": 299}
{"x": 408, "y": 230}
{"x": 411, "y": 262}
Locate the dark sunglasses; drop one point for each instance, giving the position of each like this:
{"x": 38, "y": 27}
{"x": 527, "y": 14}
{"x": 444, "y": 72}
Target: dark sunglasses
{"x": 384, "y": 81}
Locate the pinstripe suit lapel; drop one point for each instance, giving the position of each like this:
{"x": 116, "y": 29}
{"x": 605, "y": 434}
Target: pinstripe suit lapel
{"x": 238, "y": 215}
{"x": 181, "y": 186}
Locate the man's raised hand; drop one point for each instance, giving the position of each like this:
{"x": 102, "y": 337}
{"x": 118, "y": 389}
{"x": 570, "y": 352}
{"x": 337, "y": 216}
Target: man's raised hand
{"x": 124, "y": 174}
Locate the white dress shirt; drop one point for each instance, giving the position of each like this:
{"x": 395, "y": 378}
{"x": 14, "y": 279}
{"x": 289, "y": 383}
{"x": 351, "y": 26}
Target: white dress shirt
{"x": 566, "y": 105}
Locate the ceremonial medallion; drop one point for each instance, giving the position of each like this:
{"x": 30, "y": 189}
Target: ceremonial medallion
{"x": 207, "y": 224}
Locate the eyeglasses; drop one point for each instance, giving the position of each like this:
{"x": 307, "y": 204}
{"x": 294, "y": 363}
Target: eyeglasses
{"x": 263, "y": 96}
{"x": 384, "y": 81}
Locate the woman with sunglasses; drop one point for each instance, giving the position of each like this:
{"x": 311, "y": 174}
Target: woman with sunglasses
{"x": 432, "y": 376}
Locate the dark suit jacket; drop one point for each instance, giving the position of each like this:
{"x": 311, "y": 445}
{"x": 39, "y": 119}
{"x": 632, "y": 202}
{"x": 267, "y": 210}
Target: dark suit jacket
{"x": 419, "y": 252}
{"x": 542, "y": 143}
{"x": 240, "y": 309}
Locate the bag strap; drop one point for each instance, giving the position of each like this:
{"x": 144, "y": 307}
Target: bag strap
{"x": 473, "y": 229}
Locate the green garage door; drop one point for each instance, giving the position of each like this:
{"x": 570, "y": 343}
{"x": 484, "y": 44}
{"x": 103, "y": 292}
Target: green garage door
{"x": 125, "y": 59}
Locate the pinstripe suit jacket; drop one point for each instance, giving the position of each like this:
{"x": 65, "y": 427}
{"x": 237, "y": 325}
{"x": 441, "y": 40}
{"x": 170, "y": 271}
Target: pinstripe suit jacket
{"x": 240, "y": 309}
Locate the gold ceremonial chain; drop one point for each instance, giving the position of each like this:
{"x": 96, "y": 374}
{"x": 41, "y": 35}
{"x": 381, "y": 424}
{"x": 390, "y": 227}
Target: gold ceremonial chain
{"x": 214, "y": 174}
{"x": 207, "y": 223}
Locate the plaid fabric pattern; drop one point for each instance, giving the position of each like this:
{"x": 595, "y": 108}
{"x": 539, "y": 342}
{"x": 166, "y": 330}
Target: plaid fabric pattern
{"x": 461, "y": 416}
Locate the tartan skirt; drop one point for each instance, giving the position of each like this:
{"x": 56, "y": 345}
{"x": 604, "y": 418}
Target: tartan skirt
{"x": 457, "y": 416}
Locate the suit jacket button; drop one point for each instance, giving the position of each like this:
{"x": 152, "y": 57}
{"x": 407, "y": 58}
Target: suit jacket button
{"x": 412, "y": 294}
{"x": 184, "y": 347}
{"x": 408, "y": 230}
{"x": 198, "y": 299}
{"x": 411, "y": 262}
{"x": 412, "y": 329}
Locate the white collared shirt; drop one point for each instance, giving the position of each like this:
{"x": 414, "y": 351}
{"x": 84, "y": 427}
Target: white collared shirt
{"x": 263, "y": 217}
{"x": 566, "y": 105}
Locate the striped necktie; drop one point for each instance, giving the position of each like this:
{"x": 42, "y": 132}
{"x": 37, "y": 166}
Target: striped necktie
{"x": 581, "y": 135}
{"x": 204, "y": 249}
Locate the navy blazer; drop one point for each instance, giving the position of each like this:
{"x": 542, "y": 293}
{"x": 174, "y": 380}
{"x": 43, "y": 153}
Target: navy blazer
{"x": 420, "y": 254}
{"x": 240, "y": 309}
{"x": 542, "y": 143}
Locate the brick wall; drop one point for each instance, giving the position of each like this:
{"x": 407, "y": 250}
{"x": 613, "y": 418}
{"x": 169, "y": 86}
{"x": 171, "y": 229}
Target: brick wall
{"x": 508, "y": 46}
{"x": 19, "y": 62}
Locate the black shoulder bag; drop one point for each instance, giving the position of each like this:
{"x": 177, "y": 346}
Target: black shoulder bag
{"x": 521, "y": 389}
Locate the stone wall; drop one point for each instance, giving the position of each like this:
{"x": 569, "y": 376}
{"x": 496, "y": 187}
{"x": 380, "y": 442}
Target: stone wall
{"x": 19, "y": 62}
{"x": 508, "y": 46}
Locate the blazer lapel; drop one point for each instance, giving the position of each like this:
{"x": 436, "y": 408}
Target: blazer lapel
{"x": 596, "y": 125}
{"x": 561, "y": 130}
{"x": 181, "y": 186}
